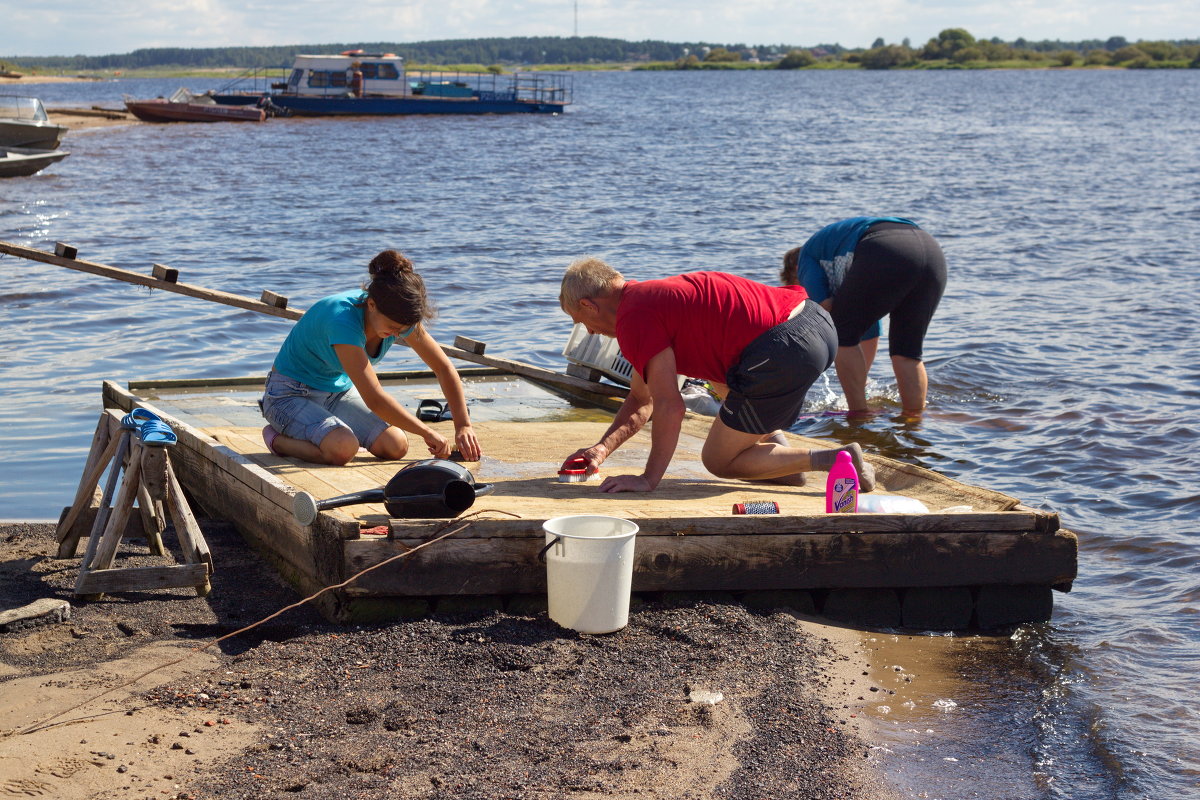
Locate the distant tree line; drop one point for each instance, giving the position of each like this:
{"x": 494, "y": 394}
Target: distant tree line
{"x": 512, "y": 50}
{"x": 955, "y": 47}
{"x": 952, "y": 48}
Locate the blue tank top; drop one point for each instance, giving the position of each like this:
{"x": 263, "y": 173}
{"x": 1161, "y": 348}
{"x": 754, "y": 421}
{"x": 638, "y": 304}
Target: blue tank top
{"x": 307, "y": 354}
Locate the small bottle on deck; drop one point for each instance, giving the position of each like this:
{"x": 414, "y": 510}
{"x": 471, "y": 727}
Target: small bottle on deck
{"x": 841, "y": 487}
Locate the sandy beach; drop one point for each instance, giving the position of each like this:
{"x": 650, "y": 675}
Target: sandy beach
{"x": 694, "y": 699}
{"x": 76, "y": 119}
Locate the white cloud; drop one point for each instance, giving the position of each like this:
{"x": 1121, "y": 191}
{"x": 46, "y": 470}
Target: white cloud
{"x": 65, "y": 27}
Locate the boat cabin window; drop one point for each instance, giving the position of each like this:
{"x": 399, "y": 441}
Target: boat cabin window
{"x": 376, "y": 71}
{"x": 294, "y": 78}
{"x": 320, "y": 79}
{"x": 15, "y": 107}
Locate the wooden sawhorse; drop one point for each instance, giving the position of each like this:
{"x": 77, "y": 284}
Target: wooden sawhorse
{"x": 121, "y": 443}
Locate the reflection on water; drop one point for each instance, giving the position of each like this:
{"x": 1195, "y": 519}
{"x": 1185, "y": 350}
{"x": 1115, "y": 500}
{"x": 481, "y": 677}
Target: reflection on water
{"x": 1062, "y": 360}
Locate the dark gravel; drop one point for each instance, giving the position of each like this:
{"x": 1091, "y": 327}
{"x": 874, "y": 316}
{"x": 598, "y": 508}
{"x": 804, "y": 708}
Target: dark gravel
{"x": 485, "y": 705}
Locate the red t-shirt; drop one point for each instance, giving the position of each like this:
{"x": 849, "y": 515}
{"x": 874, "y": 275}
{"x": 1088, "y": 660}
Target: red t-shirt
{"x": 708, "y": 318}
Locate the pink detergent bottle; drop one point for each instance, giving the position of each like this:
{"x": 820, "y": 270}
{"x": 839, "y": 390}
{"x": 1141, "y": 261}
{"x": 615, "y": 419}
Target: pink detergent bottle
{"x": 841, "y": 487}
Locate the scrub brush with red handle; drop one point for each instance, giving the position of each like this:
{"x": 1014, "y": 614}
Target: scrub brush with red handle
{"x": 574, "y": 471}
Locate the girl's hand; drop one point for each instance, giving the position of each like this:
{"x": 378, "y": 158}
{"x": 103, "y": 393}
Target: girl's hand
{"x": 437, "y": 444}
{"x": 467, "y": 443}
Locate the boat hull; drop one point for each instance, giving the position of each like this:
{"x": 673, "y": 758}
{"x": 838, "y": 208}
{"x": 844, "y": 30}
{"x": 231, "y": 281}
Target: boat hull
{"x": 301, "y": 106}
{"x": 16, "y": 162}
{"x": 37, "y": 135}
{"x": 166, "y": 111}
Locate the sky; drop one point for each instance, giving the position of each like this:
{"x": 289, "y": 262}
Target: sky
{"x": 102, "y": 27}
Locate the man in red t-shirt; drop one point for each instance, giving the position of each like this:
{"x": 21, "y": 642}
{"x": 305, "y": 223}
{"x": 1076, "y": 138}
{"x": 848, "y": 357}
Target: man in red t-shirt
{"x": 765, "y": 344}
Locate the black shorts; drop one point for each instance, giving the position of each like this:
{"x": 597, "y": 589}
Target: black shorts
{"x": 773, "y": 374}
{"x": 899, "y": 272}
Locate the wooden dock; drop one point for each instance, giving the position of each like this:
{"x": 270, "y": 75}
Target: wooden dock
{"x": 992, "y": 567}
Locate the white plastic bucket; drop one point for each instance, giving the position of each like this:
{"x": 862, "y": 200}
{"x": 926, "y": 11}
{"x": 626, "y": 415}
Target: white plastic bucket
{"x": 589, "y": 571}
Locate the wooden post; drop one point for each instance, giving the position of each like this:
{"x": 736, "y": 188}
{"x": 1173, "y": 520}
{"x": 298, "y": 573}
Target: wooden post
{"x": 104, "y": 446}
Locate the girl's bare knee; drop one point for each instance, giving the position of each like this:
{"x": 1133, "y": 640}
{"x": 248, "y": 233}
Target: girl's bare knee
{"x": 338, "y": 447}
{"x": 391, "y": 445}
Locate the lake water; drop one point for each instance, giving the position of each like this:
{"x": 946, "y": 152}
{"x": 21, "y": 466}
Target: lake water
{"x": 1065, "y": 359}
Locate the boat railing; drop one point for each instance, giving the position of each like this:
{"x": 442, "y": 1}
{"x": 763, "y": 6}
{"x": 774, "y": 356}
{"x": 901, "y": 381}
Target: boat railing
{"x": 256, "y": 80}
{"x": 525, "y": 87}
{"x": 543, "y": 87}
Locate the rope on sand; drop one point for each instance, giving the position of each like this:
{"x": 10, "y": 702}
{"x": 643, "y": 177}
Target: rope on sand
{"x": 49, "y": 721}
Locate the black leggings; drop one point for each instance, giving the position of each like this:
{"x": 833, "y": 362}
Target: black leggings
{"x": 898, "y": 271}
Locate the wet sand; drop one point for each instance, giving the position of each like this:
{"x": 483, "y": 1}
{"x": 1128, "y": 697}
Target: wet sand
{"x": 470, "y": 702}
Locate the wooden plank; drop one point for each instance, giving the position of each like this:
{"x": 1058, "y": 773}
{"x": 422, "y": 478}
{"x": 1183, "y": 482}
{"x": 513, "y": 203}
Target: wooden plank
{"x": 744, "y": 525}
{"x": 259, "y": 380}
{"x": 131, "y": 579}
{"x": 104, "y": 447}
{"x": 235, "y": 464}
{"x": 105, "y": 271}
{"x": 150, "y": 512}
{"x": 114, "y": 528}
{"x": 105, "y": 508}
{"x": 730, "y": 563}
{"x": 191, "y": 538}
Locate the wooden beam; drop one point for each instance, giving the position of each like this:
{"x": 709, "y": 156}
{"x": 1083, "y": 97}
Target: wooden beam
{"x": 743, "y": 525}
{"x": 259, "y": 380}
{"x": 730, "y": 563}
{"x": 105, "y": 271}
{"x": 135, "y": 579}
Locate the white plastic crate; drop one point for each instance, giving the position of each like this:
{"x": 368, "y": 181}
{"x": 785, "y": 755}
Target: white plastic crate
{"x": 598, "y": 352}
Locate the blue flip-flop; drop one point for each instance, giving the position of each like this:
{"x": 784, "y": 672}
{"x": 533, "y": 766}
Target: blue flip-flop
{"x": 156, "y": 433}
{"x": 135, "y": 418}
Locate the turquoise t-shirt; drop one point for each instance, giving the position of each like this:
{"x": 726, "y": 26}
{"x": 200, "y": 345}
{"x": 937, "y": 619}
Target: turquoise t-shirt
{"x": 307, "y": 354}
{"x": 828, "y": 254}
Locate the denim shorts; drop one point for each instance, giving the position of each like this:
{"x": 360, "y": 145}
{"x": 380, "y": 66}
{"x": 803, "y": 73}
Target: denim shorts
{"x": 301, "y": 412}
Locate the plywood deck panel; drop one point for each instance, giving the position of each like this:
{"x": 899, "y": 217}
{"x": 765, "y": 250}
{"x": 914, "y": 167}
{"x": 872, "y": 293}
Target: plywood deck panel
{"x": 522, "y": 458}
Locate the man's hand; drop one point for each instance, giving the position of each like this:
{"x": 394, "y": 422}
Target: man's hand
{"x": 625, "y": 483}
{"x": 590, "y": 457}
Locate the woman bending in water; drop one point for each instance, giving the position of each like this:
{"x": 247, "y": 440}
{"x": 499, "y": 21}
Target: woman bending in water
{"x": 323, "y": 399}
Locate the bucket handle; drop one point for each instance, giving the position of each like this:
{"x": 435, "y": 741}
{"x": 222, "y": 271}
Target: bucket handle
{"x": 542, "y": 552}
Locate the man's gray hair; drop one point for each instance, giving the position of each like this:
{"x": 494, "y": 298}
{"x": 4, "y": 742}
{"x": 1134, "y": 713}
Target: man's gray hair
{"x": 586, "y": 277}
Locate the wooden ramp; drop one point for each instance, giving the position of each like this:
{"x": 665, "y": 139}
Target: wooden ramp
{"x": 992, "y": 566}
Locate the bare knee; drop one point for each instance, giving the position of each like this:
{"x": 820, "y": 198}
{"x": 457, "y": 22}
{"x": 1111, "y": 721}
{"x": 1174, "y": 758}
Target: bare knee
{"x": 391, "y": 445}
{"x": 719, "y": 467}
{"x": 339, "y": 446}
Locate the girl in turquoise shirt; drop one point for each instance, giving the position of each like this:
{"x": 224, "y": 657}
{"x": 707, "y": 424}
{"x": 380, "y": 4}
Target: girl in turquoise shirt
{"x": 323, "y": 399}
